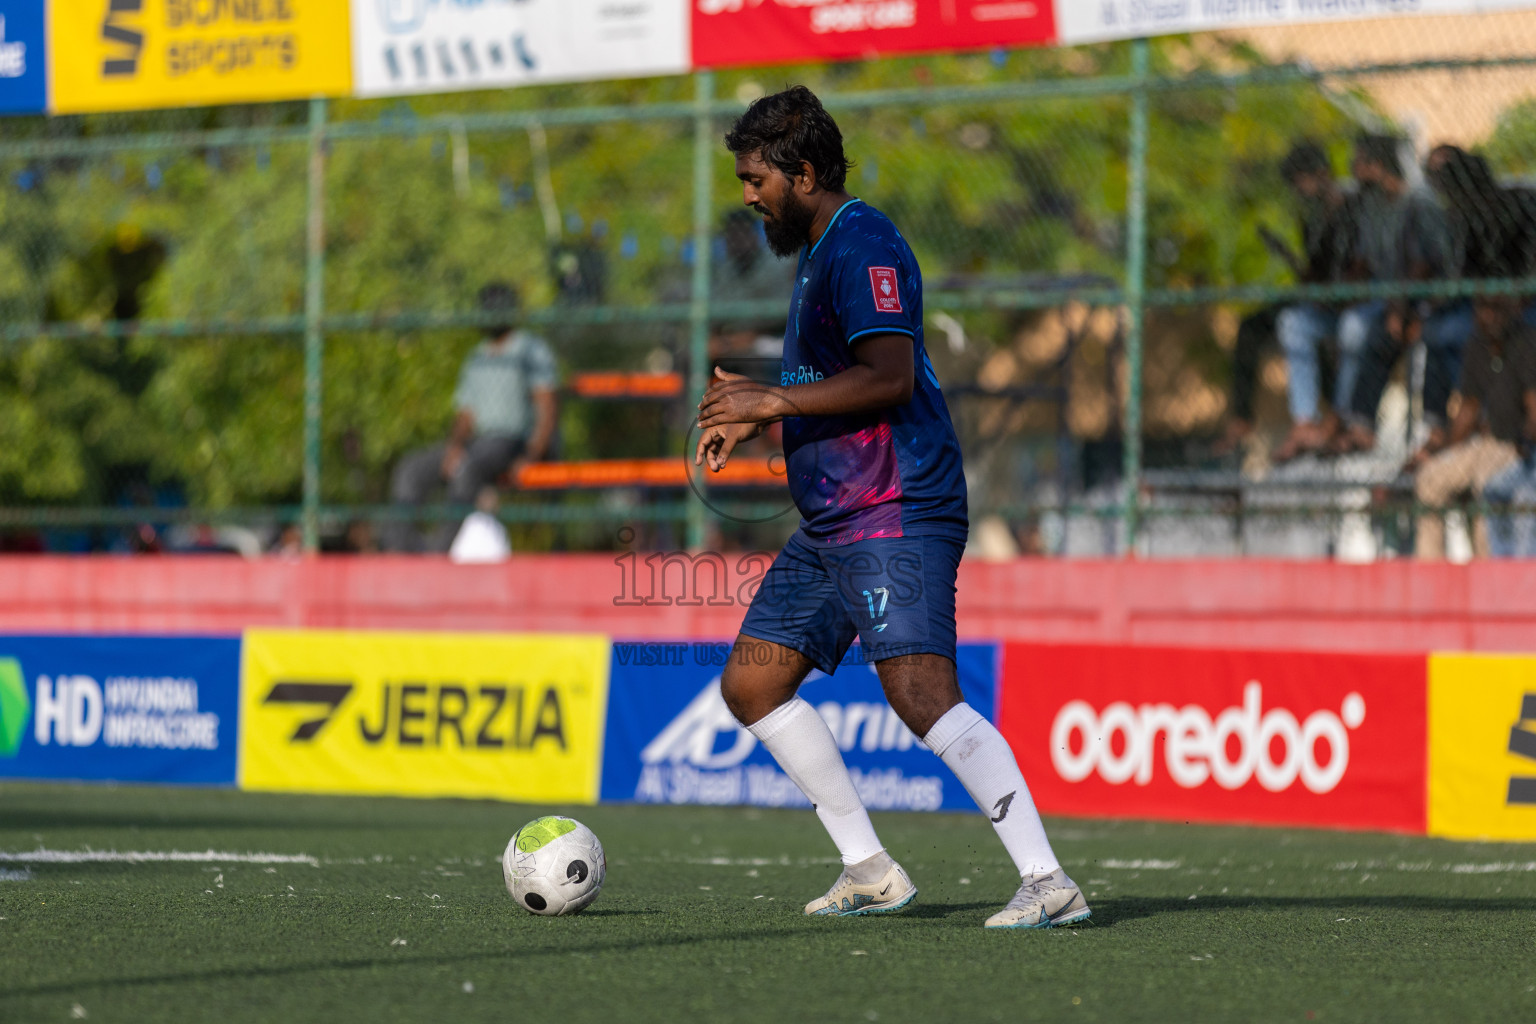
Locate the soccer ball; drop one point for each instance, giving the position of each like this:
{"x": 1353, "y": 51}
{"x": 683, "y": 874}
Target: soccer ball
{"x": 554, "y": 866}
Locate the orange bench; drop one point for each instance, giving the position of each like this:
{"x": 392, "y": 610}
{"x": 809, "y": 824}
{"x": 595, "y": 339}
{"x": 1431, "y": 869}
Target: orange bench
{"x": 664, "y": 472}
{"x": 627, "y": 385}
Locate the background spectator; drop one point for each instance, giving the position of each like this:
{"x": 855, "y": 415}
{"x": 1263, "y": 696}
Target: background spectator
{"x": 1405, "y": 236}
{"x": 505, "y": 417}
{"x": 1497, "y": 412}
{"x": 1330, "y": 232}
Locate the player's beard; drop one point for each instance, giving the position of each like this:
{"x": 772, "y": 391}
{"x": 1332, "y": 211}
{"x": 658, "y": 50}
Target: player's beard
{"x": 789, "y": 226}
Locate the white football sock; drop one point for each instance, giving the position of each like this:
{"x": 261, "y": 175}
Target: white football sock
{"x": 980, "y": 758}
{"x": 803, "y": 745}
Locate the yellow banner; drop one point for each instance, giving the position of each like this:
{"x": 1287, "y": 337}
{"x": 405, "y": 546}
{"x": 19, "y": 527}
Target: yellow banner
{"x": 133, "y": 54}
{"x": 512, "y": 717}
{"x": 1482, "y": 746}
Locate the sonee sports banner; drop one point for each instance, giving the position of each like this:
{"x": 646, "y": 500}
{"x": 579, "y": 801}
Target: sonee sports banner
{"x": 507, "y": 716}
{"x": 672, "y": 740}
{"x": 127, "y": 709}
{"x": 133, "y": 54}
{"x": 1274, "y": 737}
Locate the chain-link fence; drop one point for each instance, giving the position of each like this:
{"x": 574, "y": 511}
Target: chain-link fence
{"x": 1172, "y": 310}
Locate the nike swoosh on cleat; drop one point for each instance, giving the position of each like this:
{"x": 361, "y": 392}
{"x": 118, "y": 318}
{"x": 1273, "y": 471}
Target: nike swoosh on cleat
{"x": 886, "y": 889}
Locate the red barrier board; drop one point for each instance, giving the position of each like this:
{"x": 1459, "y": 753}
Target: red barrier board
{"x": 734, "y": 32}
{"x": 1272, "y": 737}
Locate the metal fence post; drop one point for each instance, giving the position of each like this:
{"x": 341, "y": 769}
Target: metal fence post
{"x": 314, "y": 310}
{"x": 1135, "y": 292}
{"x": 698, "y": 314}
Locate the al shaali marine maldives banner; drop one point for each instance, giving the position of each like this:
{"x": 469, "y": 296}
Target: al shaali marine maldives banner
{"x": 672, "y": 740}
{"x": 1088, "y": 21}
{"x": 412, "y": 46}
{"x": 131, "y": 709}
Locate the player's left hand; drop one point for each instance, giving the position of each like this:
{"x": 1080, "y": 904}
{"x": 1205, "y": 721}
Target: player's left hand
{"x": 717, "y": 443}
{"x": 736, "y": 398}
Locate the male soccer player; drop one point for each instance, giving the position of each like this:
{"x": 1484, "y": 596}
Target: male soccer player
{"x": 874, "y": 467}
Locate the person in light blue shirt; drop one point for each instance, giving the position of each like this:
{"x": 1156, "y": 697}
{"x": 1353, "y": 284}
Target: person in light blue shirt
{"x": 504, "y": 416}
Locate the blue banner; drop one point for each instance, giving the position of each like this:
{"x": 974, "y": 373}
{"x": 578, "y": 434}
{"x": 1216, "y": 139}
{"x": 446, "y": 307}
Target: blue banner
{"x": 23, "y": 74}
{"x": 671, "y": 739}
{"x": 131, "y": 709}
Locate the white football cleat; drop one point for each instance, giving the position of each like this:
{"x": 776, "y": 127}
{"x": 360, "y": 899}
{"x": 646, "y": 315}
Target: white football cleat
{"x": 1043, "y": 901}
{"x": 848, "y": 898}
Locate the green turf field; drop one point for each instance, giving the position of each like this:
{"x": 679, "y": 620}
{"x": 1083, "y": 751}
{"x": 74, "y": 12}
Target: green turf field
{"x": 399, "y": 914}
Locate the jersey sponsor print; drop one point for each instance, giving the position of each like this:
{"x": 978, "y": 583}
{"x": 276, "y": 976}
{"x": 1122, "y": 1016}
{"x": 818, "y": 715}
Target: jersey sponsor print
{"x": 1298, "y": 738}
{"x": 672, "y": 740}
{"x": 891, "y": 473}
{"x": 130, "y": 709}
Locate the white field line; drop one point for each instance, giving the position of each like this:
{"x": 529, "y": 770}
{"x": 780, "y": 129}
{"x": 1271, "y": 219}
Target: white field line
{"x": 1141, "y": 865}
{"x": 42, "y": 855}
{"x": 1493, "y": 869}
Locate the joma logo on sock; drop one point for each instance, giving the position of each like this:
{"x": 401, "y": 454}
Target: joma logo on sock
{"x": 1522, "y": 743}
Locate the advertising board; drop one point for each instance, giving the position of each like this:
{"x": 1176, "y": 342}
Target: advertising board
{"x": 738, "y": 32}
{"x": 507, "y": 716}
{"x": 1274, "y": 737}
{"x": 129, "y": 709}
{"x": 1482, "y": 746}
{"x": 23, "y": 57}
{"x": 413, "y": 46}
{"x": 136, "y": 54}
{"x": 672, "y": 740}
{"x": 1099, "y": 20}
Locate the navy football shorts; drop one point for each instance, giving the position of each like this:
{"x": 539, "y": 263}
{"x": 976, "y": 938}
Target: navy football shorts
{"x": 896, "y": 594}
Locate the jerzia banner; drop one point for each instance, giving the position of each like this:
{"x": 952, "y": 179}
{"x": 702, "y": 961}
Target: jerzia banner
{"x": 510, "y": 716}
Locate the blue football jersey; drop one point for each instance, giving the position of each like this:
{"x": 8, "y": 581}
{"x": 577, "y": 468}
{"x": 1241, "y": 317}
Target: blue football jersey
{"x": 892, "y": 473}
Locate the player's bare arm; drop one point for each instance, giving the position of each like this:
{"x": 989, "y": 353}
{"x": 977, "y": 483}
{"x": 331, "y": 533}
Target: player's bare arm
{"x": 882, "y": 378}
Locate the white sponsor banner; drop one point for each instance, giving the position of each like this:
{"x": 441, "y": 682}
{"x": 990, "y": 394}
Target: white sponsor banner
{"x": 414, "y": 46}
{"x": 1087, "y": 21}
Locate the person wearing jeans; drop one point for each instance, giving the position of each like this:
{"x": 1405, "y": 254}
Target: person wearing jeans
{"x": 1405, "y": 236}
{"x": 1304, "y": 330}
{"x": 1329, "y": 236}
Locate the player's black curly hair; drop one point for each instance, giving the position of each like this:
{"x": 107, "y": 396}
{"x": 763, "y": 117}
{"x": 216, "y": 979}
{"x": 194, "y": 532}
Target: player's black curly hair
{"x": 789, "y": 127}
